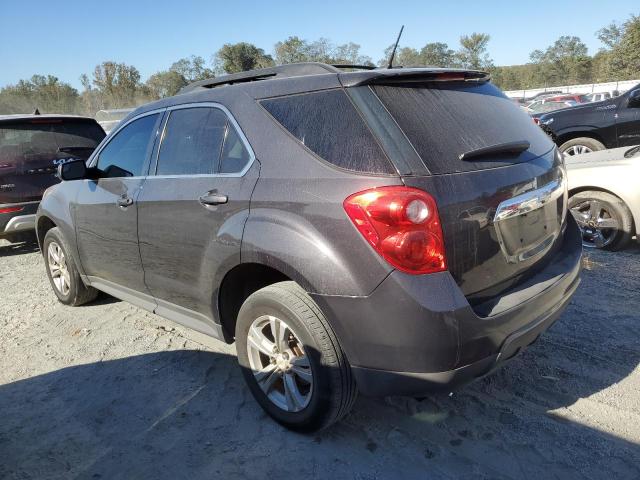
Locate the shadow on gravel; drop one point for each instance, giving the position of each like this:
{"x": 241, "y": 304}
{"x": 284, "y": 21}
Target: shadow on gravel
{"x": 28, "y": 243}
{"x": 187, "y": 414}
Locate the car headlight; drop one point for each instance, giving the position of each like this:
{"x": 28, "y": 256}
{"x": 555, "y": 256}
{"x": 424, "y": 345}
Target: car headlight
{"x": 546, "y": 121}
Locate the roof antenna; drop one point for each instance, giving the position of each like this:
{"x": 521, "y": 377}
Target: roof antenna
{"x": 393, "y": 52}
{"x": 36, "y": 112}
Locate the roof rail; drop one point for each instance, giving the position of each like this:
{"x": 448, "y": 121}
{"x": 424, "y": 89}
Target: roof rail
{"x": 347, "y": 66}
{"x": 281, "y": 71}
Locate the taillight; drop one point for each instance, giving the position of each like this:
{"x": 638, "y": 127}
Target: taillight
{"x": 402, "y": 225}
{"x": 11, "y": 209}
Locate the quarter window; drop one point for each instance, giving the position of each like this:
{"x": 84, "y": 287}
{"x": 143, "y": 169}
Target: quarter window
{"x": 192, "y": 142}
{"x": 125, "y": 154}
{"x": 235, "y": 155}
{"x": 328, "y": 124}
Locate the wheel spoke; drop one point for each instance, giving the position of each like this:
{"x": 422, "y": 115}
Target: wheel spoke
{"x": 598, "y": 239}
{"x": 257, "y": 339}
{"x": 301, "y": 368}
{"x": 595, "y": 208}
{"x": 607, "y": 223}
{"x": 294, "y": 398}
{"x": 580, "y": 217}
{"x": 267, "y": 377}
{"x": 278, "y": 330}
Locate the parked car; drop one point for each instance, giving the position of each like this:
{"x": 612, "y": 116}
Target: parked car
{"x": 595, "y": 126}
{"x": 604, "y": 196}
{"x": 348, "y": 230}
{"x": 539, "y": 108}
{"x": 109, "y": 119}
{"x": 600, "y": 96}
{"x": 31, "y": 148}
{"x": 567, "y": 97}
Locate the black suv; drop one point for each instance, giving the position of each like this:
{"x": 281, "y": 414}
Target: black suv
{"x": 388, "y": 231}
{"x": 31, "y": 148}
{"x": 595, "y": 126}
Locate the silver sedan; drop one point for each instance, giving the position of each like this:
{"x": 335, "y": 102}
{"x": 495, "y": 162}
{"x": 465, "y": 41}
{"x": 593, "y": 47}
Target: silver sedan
{"x": 604, "y": 196}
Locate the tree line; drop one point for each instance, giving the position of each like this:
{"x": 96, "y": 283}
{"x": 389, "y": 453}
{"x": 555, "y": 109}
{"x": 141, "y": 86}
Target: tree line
{"x": 117, "y": 85}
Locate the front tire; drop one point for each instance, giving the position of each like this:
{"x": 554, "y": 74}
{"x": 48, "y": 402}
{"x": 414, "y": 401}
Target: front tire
{"x": 62, "y": 271}
{"x": 291, "y": 359}
{"x": 604, "y": 220}
{"x": 579, "y": 146}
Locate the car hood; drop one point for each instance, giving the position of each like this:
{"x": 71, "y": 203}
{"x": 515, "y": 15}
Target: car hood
{"x": 579, "y": 108}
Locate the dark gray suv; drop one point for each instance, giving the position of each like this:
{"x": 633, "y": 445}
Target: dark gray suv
{"x": 390, "y": 231}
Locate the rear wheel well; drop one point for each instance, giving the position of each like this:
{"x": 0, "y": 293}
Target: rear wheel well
{"x": 571, "y": 135}
{"x": 237, "y": 285}
{"x": 44, "y": 225}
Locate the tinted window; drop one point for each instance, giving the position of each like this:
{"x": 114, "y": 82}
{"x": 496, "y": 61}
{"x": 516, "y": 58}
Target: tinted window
{"x": 328, "y": 124}
{"x": 235, "y": 155}
{"x": 192, "y": 142}
{"x": 125, "y": 154}
{"x": 443, "y": 121}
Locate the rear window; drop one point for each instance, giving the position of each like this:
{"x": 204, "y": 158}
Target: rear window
{"x": 328, "y": 124}
{"x": 55, "y": 138}
{"x": 446, "y": 120}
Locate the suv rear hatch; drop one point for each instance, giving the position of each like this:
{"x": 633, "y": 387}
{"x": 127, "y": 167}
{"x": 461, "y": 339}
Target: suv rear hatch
{"x": 496, "y": 177}
{"x": 31, "y": 149}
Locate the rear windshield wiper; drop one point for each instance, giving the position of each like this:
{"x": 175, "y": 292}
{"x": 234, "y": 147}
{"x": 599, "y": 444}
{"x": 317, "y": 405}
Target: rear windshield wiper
{"x": 509, "y": 148}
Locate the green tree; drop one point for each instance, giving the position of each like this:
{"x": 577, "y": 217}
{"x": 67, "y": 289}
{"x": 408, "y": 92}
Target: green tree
{"x": 625, "y": 55}
{"x": 473, "y": 51}
{"x": 291, "y": 50}
{"x": 117, "y": 85}
{"x": 437, "y": 54}
{"x": 192, "y": 69}
{"x": 564, "y": 62}
{"x": 46, "y": 93}
{"x": 165, "y": 84}
{"x": 240, "y": 57}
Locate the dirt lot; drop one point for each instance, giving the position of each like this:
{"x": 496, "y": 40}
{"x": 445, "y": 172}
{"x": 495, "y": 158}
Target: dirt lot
{"x": 110, "y": 391}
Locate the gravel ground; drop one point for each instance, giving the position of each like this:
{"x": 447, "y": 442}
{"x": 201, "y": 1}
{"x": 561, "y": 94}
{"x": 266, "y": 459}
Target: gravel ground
{"x": 110, "y": 391}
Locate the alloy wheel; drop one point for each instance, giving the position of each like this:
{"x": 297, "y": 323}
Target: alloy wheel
{"x": 58, "y": 268}
{"x": 279, "y": 363}
{"x": 577, "y": 150}
{"x": 598, "y": 225}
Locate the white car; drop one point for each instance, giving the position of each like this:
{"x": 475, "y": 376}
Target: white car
{"x": 604, "y": 196}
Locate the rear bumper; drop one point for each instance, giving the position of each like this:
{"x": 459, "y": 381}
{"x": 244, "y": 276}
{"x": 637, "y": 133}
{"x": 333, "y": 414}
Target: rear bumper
{"x": 19, "y": 221}
{"x": 416, "y": 334}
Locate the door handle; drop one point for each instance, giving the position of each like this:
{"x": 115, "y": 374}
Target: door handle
{"x": 124, "y": 202}
{"x": 213, "y": 199}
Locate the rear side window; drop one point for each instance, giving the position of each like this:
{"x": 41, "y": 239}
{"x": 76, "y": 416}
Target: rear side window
{"x": 446, "y": 120}
{"x": 125, "y": 154}
{"x": 235, "y": 155}
{"x": 328, "y": 124}
{"x": 52, "y": 138}
{"x": 192, "y": 142}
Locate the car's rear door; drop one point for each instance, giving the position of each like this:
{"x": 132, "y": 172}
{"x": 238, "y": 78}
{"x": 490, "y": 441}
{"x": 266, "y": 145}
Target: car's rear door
{"x": 106, "y": 214}
{"x": 193, "y": 208}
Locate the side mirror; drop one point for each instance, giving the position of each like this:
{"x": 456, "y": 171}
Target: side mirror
{"x": 634, "y": 99}
{"x": 75, "y": 170}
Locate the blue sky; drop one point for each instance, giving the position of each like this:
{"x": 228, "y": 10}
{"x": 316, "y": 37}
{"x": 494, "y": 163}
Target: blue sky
{"x": 68, "y": 38}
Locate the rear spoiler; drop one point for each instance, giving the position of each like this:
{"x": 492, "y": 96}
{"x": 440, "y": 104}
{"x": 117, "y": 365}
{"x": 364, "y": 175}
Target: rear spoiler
{"x": 411, "y": 75}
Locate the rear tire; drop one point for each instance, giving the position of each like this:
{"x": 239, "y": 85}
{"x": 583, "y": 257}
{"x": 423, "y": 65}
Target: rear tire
{"x": 580, "y": 145}
{"x": 325, "y": 391}
{"x": 62, "y": 271}
{"x": 594, "y": 208}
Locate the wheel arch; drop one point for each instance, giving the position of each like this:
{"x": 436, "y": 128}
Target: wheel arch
{"x": 566, "y": 136}
{"x": 42, "y": 227}
{"x": 236, "y": 286}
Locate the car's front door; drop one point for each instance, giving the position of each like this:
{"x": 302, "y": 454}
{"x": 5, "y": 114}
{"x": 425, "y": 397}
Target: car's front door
{"x": 628, "y": 119}
{"x": 106, "y": 213}
{"x": 193, "y": 208}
